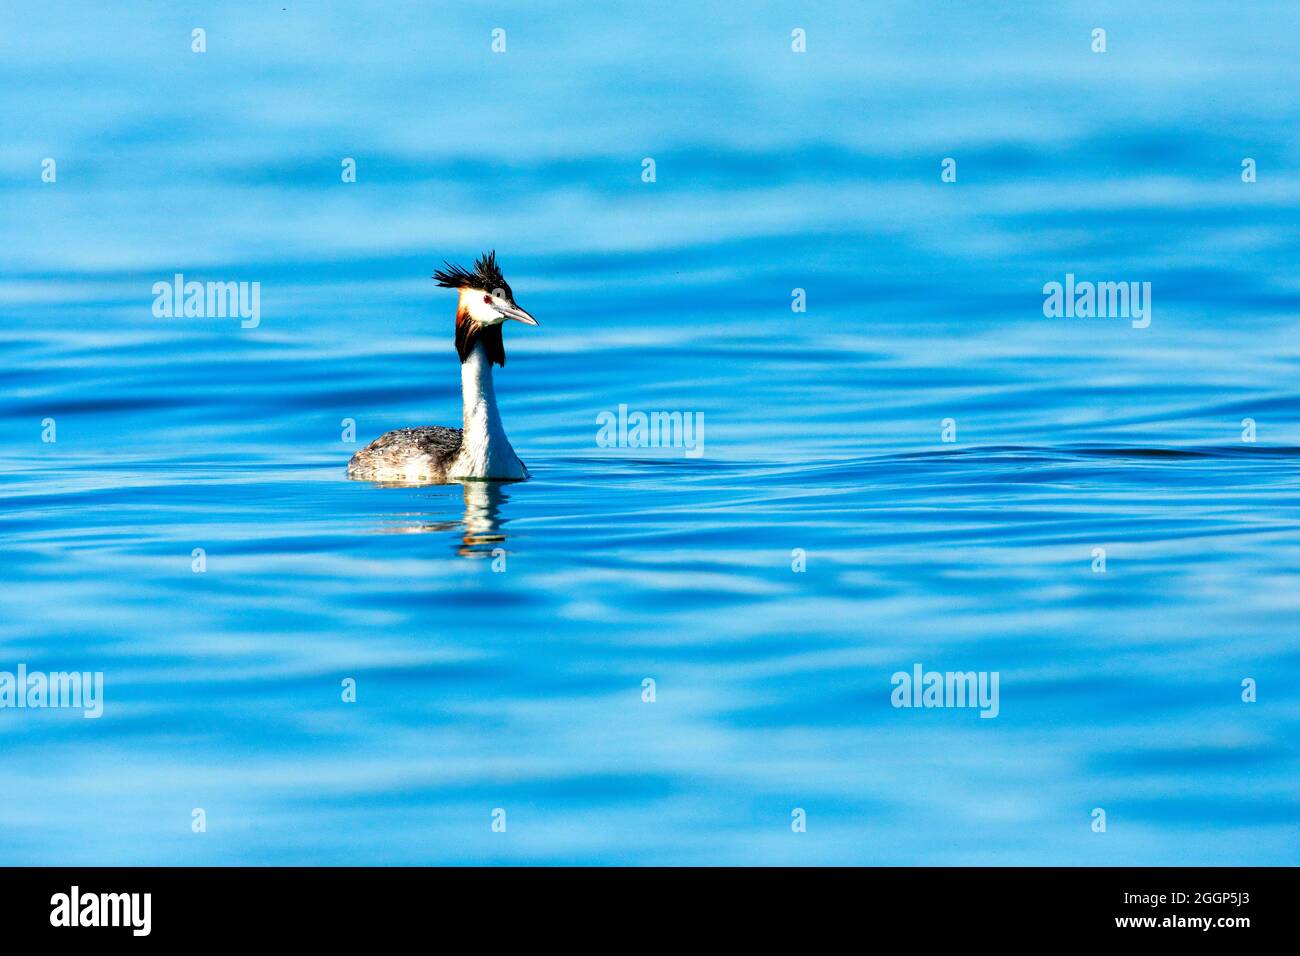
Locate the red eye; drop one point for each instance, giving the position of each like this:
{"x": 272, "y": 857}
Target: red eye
{"x": 487, "y": 299}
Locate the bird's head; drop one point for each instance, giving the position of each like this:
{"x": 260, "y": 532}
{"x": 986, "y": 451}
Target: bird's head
{"x": 486, "y": 302}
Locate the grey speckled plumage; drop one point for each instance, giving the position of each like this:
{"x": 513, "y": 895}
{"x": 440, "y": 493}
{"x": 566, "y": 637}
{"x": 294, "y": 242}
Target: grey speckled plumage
{"x": 408, "y": 454}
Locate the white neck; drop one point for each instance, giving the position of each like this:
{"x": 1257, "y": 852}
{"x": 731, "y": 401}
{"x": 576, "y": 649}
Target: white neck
{"x": 485, "y": 451}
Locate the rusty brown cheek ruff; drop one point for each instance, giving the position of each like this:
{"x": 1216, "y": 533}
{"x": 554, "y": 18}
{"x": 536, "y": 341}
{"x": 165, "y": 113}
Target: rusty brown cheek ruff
{"x": 469, "y": 333}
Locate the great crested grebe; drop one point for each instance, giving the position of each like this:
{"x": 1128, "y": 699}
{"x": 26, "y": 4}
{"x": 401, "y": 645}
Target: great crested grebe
{"x": 479, "y": 449}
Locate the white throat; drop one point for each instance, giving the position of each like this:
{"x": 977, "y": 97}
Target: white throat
{"x": 485, "y": 451}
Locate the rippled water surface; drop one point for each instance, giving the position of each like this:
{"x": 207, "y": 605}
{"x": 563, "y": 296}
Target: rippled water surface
{"x": 499, "y": 635}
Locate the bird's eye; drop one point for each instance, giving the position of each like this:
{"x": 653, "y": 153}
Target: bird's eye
{"x": 487, "y": 299}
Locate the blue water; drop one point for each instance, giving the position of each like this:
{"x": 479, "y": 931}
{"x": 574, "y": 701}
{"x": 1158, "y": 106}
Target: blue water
{"x": 521, "y": 688}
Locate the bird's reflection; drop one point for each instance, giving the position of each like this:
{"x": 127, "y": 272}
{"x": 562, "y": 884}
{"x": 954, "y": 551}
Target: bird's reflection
{"x": 482, "y": 522}
{"x": 479, "y": 528}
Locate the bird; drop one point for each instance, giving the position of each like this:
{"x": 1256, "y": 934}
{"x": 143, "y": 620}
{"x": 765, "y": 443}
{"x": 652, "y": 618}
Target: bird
{"x": 479, "y": 449}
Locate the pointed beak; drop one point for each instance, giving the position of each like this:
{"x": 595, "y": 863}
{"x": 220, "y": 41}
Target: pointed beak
{"x": 518, "y": 314}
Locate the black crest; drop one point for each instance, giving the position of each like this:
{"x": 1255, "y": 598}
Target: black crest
{"x": 486, "y": 276}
